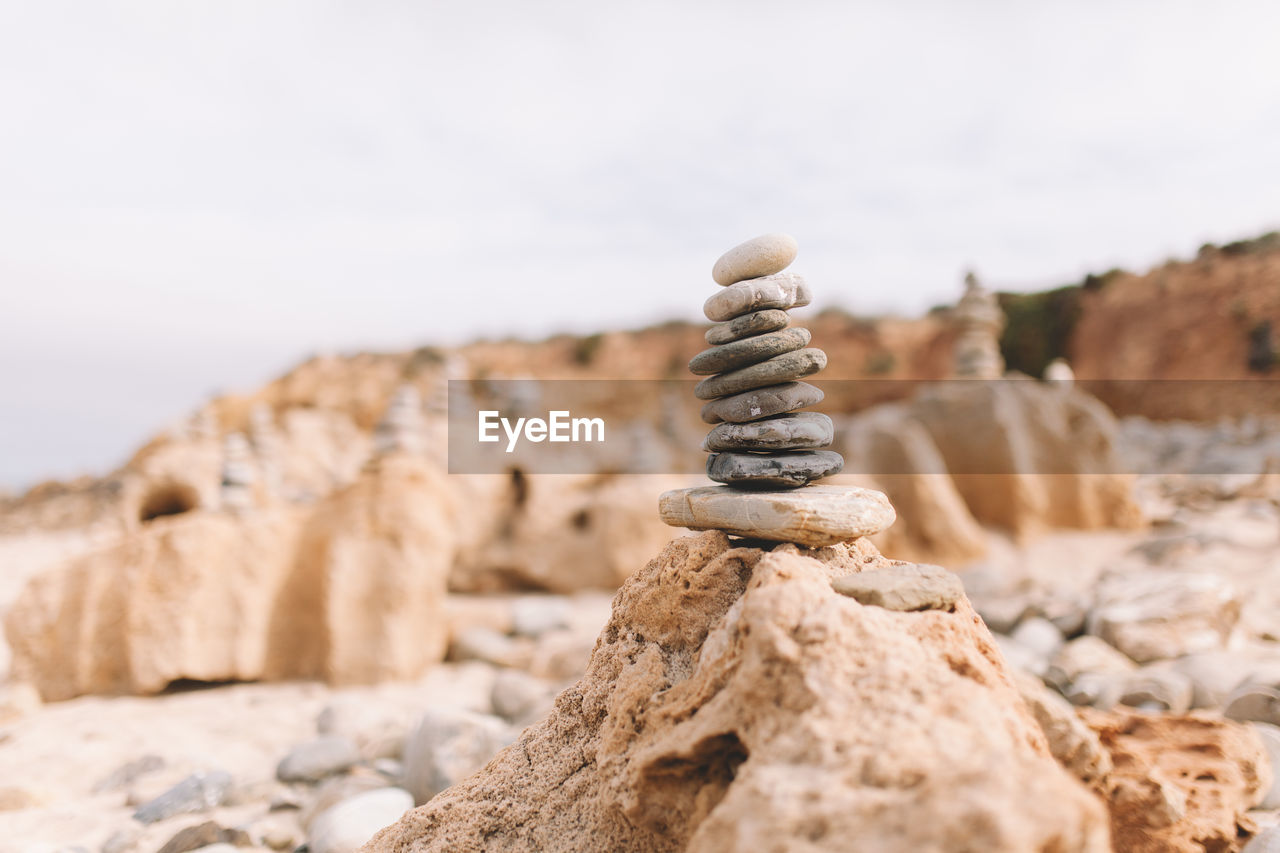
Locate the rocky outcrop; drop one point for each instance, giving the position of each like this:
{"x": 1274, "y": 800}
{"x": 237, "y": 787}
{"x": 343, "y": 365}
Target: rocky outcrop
{"x": 1020, "y": 455}
{"x": 934, "y": 525}
{"x": 1180, "y": 782}
{"x": 735, "y": 701}
{"x": 190, "y": 597}
{"x": 365, "y": 602}
{"x": 354, "y": 594}
{"x": 1028, "y": 456}
{"x": 559, "y": 533}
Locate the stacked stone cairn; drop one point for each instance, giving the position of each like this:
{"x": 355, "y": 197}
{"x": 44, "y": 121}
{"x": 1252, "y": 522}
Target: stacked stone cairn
{"x": 978, "y": 315}
{"x": 401, "y": 427}
{"x": 238, "y": 473}
{"x": 763, "y": 450}
{"x": 753, "y": 370}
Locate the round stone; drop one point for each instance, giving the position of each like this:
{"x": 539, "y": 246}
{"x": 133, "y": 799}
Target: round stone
{"x": 762, "y": 403}
{"x": 774, "y": 470}
{"x": 756, "y": 323}
{"x": 764, "y": 255}
{"x": 785, "y": 290}
{"x": 806, "y": 430}
{"x": 748, "y": 351}
{"x": 781, "y": 368}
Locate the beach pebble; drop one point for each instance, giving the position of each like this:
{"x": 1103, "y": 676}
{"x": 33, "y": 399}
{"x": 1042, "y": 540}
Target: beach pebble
{"x": 760, "y": 256}
{"x": 205, "y": 836}
{"x": 197, "y": 793}
{"x": 535, "y": 615}
{"x": 756, "y": 323}
{"x": 762, "y": 403}
{"x": 778, "y": 470}
{"x": 347, "y": 826}
{"x": 785, "y": 290}
{"x": 1040, "y": 635}
{"x": 787, "y": 367}
{"x": 1157, "y": 690}
{"x": 784, "y": 432}
{"x": 1254, "y": 702}
{"x": 517, "y": 695}
{"x": 448, "y": 745}
{"x": 748, "y": 351}
{"x": 317, "y": 758}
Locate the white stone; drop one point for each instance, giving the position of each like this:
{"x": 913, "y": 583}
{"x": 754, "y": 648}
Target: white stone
{"x": 814, "y": 516}
{"x": 346, "y": 827}
{"x": 764, "y": 255}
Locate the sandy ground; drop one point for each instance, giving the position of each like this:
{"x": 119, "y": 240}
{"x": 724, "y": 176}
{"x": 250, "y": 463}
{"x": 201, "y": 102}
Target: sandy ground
{"x": 51, "y": 759}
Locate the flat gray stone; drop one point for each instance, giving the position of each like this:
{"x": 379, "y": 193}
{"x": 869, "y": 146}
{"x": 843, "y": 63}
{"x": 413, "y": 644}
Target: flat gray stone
{"x": 1157, "y": 690}
{"x": 787, "y": 367}
{"x": 784, "y": 290}
{"x": 756, "y": 323}
{"x": 762, "y": 403}
{"x": 205, "y": 836}
{"x": 774, "y": 470}
{"x": 1254, "y": 702}
{"x": 129, "y": 773}
{"x": 908, "y": 587}
{"x": 803, "y": 431}
{"x": 764, "y": 255}
{"x": 317, "y": 758}
{"x": 448, "y": 745}
{"x": 197, "y": 793}
{"x": 748, "y": 351}
{"x": 347, "y": 826}
{"x": 815, "y": 516}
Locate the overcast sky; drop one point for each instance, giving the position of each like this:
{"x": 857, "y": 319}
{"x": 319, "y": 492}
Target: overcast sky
{"x": 196, "y": 195}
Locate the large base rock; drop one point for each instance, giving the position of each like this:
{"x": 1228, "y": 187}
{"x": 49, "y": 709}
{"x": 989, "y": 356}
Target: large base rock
{"x": 815, "y": 516}
{"x": 735, "y": 701}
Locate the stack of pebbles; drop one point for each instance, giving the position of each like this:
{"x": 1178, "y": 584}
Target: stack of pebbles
{"x": 753, "y": 374}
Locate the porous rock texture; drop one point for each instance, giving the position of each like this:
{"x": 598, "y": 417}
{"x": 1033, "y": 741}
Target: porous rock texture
{"x": 1180, "y": 783}
{"x": 735, "y": 701}
{"x": 353, "y": 593}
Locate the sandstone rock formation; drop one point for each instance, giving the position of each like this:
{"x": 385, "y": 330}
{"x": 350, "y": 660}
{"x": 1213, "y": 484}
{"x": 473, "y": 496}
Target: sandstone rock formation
{"x": 735, "y": 701}
{"x": 934, "y": 523}
{"x": 190, "y": 597}
{"x": 558, "y": 533}
{"x": 354, "y": 594}
{"x": 1024, "y": 456}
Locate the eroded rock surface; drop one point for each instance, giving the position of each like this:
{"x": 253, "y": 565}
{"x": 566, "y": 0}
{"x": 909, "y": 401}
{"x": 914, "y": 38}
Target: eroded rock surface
{"x": 735, "y": 701}
{"x": 1180, "y": 782}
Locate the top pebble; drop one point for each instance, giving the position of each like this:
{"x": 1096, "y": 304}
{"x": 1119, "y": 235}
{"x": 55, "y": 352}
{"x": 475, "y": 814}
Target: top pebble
{"x": 762, "y": 256}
